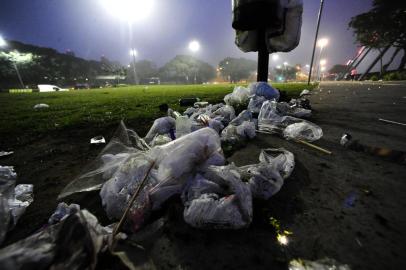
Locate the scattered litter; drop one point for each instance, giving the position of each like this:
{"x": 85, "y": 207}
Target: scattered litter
{"x": 323, "y": 264}
{"x": 98, "y": 140}
{"x": 41, "y": 106}
{"x": 201, "y": 104}
{"x": 13, "y": 199}
{"x": 62, "y": 211}
{"x": 392, "y": 122}
{"x": 4, "y": 153}
{"x": 303, "y": 131}
{"x": 345, "y": 139}
{"x": 304, "y": 93}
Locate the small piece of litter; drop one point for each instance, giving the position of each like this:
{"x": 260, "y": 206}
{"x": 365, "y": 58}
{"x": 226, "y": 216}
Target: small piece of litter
{"x": 4, "y": 153}
{"x": 98, "y": 140}
{"x": 41, "y": 106}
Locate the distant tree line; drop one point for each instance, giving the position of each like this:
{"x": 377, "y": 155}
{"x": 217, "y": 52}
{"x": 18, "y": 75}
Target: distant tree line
{"x": 38, "y": 65}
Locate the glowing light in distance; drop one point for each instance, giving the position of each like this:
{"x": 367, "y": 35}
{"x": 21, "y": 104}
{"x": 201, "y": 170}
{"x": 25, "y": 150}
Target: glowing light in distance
{"x": 129, "y": 10}
{"x": 285, "y": 63}
{"x": 322, "y": 42}
{"x": 275, "y": 57}
{"x": 3, "y": 43}
{"x": 323, "y": 62}
{"x": 133, "y": 52}
{"x": 194, "y": 46}
{"x": 278, "y": 67}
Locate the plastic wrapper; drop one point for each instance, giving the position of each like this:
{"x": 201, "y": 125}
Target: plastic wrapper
{"x": 242, "y": 117}
{"x": 218, "y": 199}
{"x": 263, "y": 89}
{"x": 62, "y": 211}
{"x": 255, "y": 104}
{"x": 7, "y": 183}
{"x": 303, "y": 131}
{"x": 234, "y": 134}
{"x": 161, "y": 126}
{"x": 239, "y": 97}
{"x": 183, "y": 126}
{"x": 160, "y": 140}
{"x": 23, "y": 197}
{"x": 74, "y": 243}
{"x": 227, "y": 113}
{"x": 123, "y": 143}
{"x": 323, "y": 264}
{"x": 41, "y": 106}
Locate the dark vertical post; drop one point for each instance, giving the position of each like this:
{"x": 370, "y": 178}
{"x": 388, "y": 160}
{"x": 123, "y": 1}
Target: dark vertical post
{"x": 374, "y": 62}
{"x": 315, "y": 39}
{"x": 263, "y": 57}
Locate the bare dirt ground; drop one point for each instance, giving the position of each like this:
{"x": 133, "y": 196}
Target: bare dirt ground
{"x": 348, "y": 206}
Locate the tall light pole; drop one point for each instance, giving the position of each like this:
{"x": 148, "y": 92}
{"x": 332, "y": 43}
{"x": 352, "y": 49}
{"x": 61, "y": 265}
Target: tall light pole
{"x": 315, "y": 39}
{"x": 194, "y": 47}
{"x": 3, "y": 44}
{"x": 321, "y": 43}
{"x": 133, "y": 53}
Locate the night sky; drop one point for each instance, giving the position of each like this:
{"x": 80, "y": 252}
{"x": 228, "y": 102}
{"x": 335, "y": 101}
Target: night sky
{"x": 88, "y": 29}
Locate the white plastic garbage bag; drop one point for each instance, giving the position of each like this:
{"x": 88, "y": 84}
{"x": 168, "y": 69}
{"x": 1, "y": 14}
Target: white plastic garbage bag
{"x": 219, "y": 199}
{"x": 233, "y": 134}
{"x": 23, "y": 197}
{"x": 183, "y": 126}
{"x": 303, "y": 131}
{"x": 239, "y": 97}
{"x": 227, "y": 113}
{"x": 267, "y": 177}
{"x": 255, "y": 104}
{"x": 7, "y": 183}
{"x": 161, "y": 126}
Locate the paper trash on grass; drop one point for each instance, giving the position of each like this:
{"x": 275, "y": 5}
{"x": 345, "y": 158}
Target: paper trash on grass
{"x": 323, "y": 264}
{"x": 98, "y": 140}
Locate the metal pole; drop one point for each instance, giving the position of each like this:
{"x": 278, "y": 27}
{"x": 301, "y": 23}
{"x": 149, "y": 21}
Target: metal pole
{"x": 18, "y": 74}
{"x": 135, "y": 72}
{"x": 263, "y": 57}
{"x": 374, "y": 62}
{"x": 315, "y": 39}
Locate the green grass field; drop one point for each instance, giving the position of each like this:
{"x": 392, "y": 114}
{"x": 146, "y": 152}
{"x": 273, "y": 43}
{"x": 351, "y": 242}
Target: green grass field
{"x": 101, "y": 107}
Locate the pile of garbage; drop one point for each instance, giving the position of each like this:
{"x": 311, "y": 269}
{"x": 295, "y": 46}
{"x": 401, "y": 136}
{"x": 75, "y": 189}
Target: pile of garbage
{"x": 181, "y": 155}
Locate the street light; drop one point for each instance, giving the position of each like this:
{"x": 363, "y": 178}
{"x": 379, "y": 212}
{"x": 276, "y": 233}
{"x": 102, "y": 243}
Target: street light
{"x": 133, "y": 53}
{"x": 275, "y": 57}
{"x": 3, "y": 44}
{"x": 323, "y": 42}
{"x": 129, "y": 10}
{"x": 194, "y": 47}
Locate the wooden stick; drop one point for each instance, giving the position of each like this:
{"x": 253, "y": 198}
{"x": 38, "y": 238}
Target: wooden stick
{"x": 135, "y": 195}
{"x": 391, "y": 122}
{"x": 302, "y": 142}
{"x": 314, "y": 146}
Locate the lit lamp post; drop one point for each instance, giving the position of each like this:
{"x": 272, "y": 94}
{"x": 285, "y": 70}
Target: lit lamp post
{"x": 3, "y": 44}
{"x": 133, "y": 53}
{"x": 194, "y": 47}
{"x": 285, "y": 64}
{"x": 321, "y": 43}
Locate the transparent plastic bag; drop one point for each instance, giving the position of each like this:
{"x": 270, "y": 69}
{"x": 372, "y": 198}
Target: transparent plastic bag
{"x": 267, "y": 177}
{"x": 7, "y": 183}
{"x": 161, "y": 126}
{"x": 263, "y": 89}
{"x": 227, "y": 113}
{"x": 23, "y": 197}
{"x": 183, "y": 126}
{"x": 255, "y": 103}
{"x": 245, "y": 115}
{"x": 234, "y": 134}
{"x": 218, "y": 199}
{"x": 303, "y": 131}
{"x": 123, "y": 143}
{"x": 239, "y": 97}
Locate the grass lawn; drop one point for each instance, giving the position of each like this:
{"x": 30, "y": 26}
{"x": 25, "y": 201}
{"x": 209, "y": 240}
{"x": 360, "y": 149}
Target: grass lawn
{"x": 101, "y": 107}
